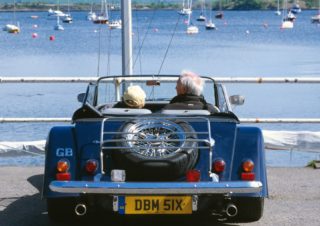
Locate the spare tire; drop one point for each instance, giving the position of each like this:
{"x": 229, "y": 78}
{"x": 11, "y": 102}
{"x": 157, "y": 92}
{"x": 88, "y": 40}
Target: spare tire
{"x": 156, "y": 150}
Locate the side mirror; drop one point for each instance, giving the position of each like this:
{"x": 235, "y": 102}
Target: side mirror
{"x": 236, "y": 100}
{"x": 81, "y": 97}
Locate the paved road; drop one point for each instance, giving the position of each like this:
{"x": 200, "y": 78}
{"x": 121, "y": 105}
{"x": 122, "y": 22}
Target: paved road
{"x": 294, "y": 199}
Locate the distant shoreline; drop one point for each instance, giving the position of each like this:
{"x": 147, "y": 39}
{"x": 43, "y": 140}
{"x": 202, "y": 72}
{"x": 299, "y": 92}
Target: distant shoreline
{"x": 140, "y": 9}
{"x": 40, "y": 7}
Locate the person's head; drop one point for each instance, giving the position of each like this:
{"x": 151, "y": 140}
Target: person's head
{"x": 189, "y": 83}
{"x": 134, "y": 97}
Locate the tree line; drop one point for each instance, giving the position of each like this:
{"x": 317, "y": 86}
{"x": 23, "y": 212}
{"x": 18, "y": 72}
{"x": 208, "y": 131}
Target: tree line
{"x": 168, "y": 4}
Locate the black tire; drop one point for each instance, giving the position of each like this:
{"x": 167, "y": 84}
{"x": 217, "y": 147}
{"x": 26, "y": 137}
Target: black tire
{"x": 61, "y": 209}
{"x": 151, "y": 161}
{"x": 250, "y": 209}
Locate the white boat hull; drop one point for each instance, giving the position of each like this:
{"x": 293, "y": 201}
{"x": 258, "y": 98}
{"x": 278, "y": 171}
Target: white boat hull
{"x": 11, "y": 28}
{"x": 210, "y": 26}
{"x": 185, "y": 11}
{"x": 53, "y": 14}
{"x": 67, "y": 19}
{"x": 278, "y": 13}
{"x": 192, "y": 30}
{"x": 287, "y": 25}
{"x": 91, "y": 16}
{"x": 116, "y": 24}
{"x": 315, "y": 19}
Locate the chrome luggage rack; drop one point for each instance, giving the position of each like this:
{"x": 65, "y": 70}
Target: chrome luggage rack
{"x": 147, "y": 138}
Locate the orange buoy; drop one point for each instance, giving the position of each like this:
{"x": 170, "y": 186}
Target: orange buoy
{"x": 52, "y": 38}
{"x": 34, "y": 35}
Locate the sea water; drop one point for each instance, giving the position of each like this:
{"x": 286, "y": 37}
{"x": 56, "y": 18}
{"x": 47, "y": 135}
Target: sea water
{"x": 246, "y": 44}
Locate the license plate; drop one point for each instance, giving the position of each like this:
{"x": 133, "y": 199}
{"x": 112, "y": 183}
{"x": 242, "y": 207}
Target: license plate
{"x": 158, "y": 205}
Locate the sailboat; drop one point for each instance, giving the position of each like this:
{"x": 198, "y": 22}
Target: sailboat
{"x": 58, "y": 26}
{"x": 115, "y": 24}
{"x": 14, "y": 27}
{"x": 52, "y": 14}
{"x": 288, "y": 17}
{"x": 67, "y": 18}
{"x": 296, "y": 8}
{"x": 316, "y": 18}
{"x": 56, "y": 14}
{"x": 219, "y": 14}
{"x": 186, "y": 8}
{"x": 91, "y": 15}
{"x": 202, "y": 16}
{"x": 103, "y": 17}
{"x": 209, "y": 24}
{"x": 191, "y": 29}
{"x": 278, "y": 12}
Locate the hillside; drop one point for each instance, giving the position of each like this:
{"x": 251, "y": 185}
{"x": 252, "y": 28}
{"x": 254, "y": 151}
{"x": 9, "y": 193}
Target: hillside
{"x": 153, "y": 4}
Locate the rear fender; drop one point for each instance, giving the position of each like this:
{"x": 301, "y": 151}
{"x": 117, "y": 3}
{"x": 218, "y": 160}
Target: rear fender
{"x": 60, "y": 145}
{"x": 250, "y": 145}
{"x": 224, "y": 134}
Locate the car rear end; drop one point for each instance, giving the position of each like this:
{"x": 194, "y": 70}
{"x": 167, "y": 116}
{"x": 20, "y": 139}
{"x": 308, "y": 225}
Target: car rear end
{"x": 210, "y": 185}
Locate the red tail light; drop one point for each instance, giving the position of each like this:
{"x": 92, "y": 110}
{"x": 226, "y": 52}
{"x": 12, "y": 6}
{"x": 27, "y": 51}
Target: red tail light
{"x": 219, "y": 165}
{"x": 63, "y": 176}
{"x": 91, "y": 166}
{"x": 248, "y": 176}
{"x": 247, "y": 167}
{"x": 193, "y": 175}
{"x": 63, "y": 166}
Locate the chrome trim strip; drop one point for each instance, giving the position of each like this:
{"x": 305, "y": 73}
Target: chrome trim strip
{"x": 138, "y": 188}
{"x": 186, "y": 147}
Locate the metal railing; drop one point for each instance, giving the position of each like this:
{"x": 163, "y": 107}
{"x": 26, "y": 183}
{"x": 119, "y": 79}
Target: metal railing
{"x": 242, "y": 120}
{"x": 252, "y": 80}
{"x": 258, "y": 80}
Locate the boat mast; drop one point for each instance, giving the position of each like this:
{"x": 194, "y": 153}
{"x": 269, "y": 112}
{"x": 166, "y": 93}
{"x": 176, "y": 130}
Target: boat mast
{"x": 126, "y": 17}
{"x": 14, "y": 11}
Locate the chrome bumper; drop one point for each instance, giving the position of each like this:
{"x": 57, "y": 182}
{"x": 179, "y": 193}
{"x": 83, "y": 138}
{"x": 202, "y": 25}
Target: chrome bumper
{"x": 138, "y": 188}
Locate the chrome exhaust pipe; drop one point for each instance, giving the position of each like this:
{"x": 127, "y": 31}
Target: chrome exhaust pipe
{"x": 80, "y": 209}
{"x": 231, "y": 210}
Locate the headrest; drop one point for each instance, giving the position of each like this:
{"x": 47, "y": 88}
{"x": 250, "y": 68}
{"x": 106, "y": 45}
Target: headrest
{"x": 185, "y": 112}
{"x": 125, "y": 111}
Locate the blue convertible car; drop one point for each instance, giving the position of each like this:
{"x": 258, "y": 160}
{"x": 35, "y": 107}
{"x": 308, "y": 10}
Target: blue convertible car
{"x": 153, "y": 161}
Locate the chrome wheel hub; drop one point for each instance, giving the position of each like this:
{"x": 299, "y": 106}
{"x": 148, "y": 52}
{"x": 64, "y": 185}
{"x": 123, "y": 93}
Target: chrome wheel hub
{"x": 155, "y": 138}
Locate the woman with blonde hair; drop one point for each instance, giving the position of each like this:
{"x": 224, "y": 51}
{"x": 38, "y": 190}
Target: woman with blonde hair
{"x": 133, "y": 97}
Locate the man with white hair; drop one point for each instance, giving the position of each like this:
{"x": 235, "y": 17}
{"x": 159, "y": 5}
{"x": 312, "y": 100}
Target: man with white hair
{"x": 189, "y": 93}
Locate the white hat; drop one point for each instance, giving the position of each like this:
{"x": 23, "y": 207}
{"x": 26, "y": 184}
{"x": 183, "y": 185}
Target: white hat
{"x": 134, "y": 97}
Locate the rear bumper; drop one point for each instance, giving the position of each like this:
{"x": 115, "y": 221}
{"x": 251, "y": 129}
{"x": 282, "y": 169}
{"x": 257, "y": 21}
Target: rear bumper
{"x": 138, "y": 188}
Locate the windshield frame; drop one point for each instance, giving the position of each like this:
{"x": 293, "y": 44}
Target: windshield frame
{"x": 121, "y": 81}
